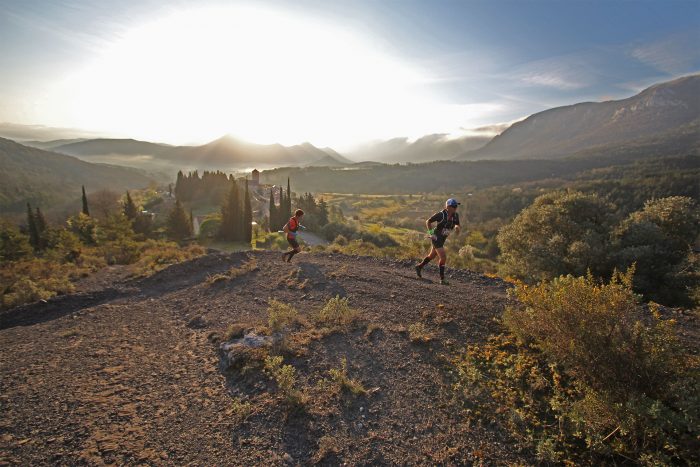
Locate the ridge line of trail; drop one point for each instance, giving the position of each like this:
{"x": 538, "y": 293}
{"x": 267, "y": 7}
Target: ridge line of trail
{"x": 133, "y": 376}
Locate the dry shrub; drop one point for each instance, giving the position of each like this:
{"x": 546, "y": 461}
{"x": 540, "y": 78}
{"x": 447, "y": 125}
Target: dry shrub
{"x": 35, "y": 279}
{"x": 597, "y": 331}
{"x": 286, "y": 379}
{"x": 339, "y": 376}
{"x": 250, "y": 265}
{"x": 327, "y": 446}
{"x": 336, "y": 313}
{"x": 281, "y": 316}
{"x": 158, "y": 255}
{"x": 419, "y": 333}
{"x": 240, "y": 410}
{"x": 590, "y": 377}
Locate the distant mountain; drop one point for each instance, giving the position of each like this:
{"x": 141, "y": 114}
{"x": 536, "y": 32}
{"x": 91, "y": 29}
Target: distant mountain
{"x": 21, "y": 133}
{"x": 326, "y": 161}
{"x": 51, "y": 179}
{"x": 564, "y": 131}
{"x": 225, "y": 152}
{"x": 50, "y": 145}
{"x": 428, "y": 148}
{"x": 106, "y": 146}
{"x": 335, "y": 155}
{"x": 228, "y": 151}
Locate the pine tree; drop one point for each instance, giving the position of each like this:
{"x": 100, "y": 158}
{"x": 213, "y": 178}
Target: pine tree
{"x": 130, "y": 210}
{"x": 192, "y": 221}
{"x": 273, "y": 213}
{"x": 31, "y": 227}
{"x": 86, "y": 211}
{"x": 247, "y": 217}
{"x": 179, "y": 226}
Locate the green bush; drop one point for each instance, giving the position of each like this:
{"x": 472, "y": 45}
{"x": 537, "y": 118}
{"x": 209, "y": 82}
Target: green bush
{"x": 210, "y": 227}
{"x": 592, "y": 376}
{"x": 14, "y": 245}
{"x": 560, "y": 233}
{"x": 659, "y": 239}
{"x": 85, "y": 227}
{"x": 598, "y": 333}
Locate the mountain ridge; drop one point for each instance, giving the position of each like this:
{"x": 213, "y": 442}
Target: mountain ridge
{"x": 565, "y": 130}
{"x": 49, "y": 178}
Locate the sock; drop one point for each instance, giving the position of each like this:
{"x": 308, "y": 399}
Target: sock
{"x": 425, "y": 261}
{"x": 442, "y": 271}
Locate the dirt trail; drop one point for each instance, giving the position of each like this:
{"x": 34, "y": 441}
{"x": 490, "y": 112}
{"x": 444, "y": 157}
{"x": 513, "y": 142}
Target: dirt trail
{"x": 124, "y": 375}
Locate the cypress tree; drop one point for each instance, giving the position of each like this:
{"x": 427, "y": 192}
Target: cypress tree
{"x": 288, "y": 205}
{"x": 282, "y": 209}
{"x": 230, "y": 228}
{"x": 179, "y": 226}
{"x": 130, "y": 210}
{"x": 41, "y": 226}
{"x": 86, "y": 211}
{"x": 179, "y": 185}
{"x": 247, "y": 217}
{"x": 273, "y": 213}
{"x": 31, "y": 227}
{"x": 322, "y": 213}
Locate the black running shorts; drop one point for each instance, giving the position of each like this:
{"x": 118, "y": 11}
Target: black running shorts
{"x": 439, "y": 242}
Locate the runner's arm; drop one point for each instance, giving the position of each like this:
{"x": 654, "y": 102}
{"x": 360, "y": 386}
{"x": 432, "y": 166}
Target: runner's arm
{"x": 436, "y": 217}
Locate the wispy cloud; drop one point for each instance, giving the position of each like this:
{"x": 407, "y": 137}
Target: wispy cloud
{"x": 676, "y": 54}
{"x": 489, "y": 130}
{"x": 93, "y": 37}
{"x": 567, "y": 72}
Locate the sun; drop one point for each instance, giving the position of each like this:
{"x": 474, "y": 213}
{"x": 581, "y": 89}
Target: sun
{"x": 265, "y": 76}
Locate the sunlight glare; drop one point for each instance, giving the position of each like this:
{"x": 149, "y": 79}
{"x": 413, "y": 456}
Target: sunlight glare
{"x": 261, "y": 75}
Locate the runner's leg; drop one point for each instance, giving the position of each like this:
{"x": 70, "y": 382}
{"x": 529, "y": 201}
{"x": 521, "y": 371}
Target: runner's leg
{"x": 433, "y": 253}
{"x": 443, "y": 259}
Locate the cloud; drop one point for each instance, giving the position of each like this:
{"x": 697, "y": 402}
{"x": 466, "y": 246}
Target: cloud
{"x": 676, "y": 54}
{"x": 489, "y": 130}
{"x": 566, "y": 73}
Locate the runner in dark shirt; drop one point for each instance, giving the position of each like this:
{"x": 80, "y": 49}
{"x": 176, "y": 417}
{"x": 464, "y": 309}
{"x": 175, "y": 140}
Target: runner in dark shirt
{"x": 447, "y": 220}
{"x": 290, "y": 228}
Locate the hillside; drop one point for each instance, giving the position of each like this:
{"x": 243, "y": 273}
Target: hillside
{"x": 225, "y": 152}
{"x": 452, "y": 176}
{"x": 50, "y": 145}
{"x": 427, "y": 148}
{"x": 49, "y": 179}
{"x": 563, "y": 131}
{"x": 105, "y": 146}
{"x": 129, "y": 371}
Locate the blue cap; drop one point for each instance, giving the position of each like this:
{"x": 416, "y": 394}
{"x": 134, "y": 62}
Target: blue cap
{"x": 452, "y": 202}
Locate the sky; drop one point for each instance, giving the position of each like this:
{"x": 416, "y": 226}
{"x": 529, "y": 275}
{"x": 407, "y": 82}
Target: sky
{"x": 334, "y": 73}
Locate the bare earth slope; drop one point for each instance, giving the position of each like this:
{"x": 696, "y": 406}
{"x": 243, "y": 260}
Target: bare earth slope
{"x": 121, "y": 372}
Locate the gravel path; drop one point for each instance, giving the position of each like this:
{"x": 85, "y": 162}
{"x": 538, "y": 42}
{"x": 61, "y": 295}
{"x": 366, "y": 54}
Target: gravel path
{"x": 129, "y": 374}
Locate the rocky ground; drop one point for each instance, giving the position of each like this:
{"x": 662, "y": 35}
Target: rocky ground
{"x": 129, "y": 371}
